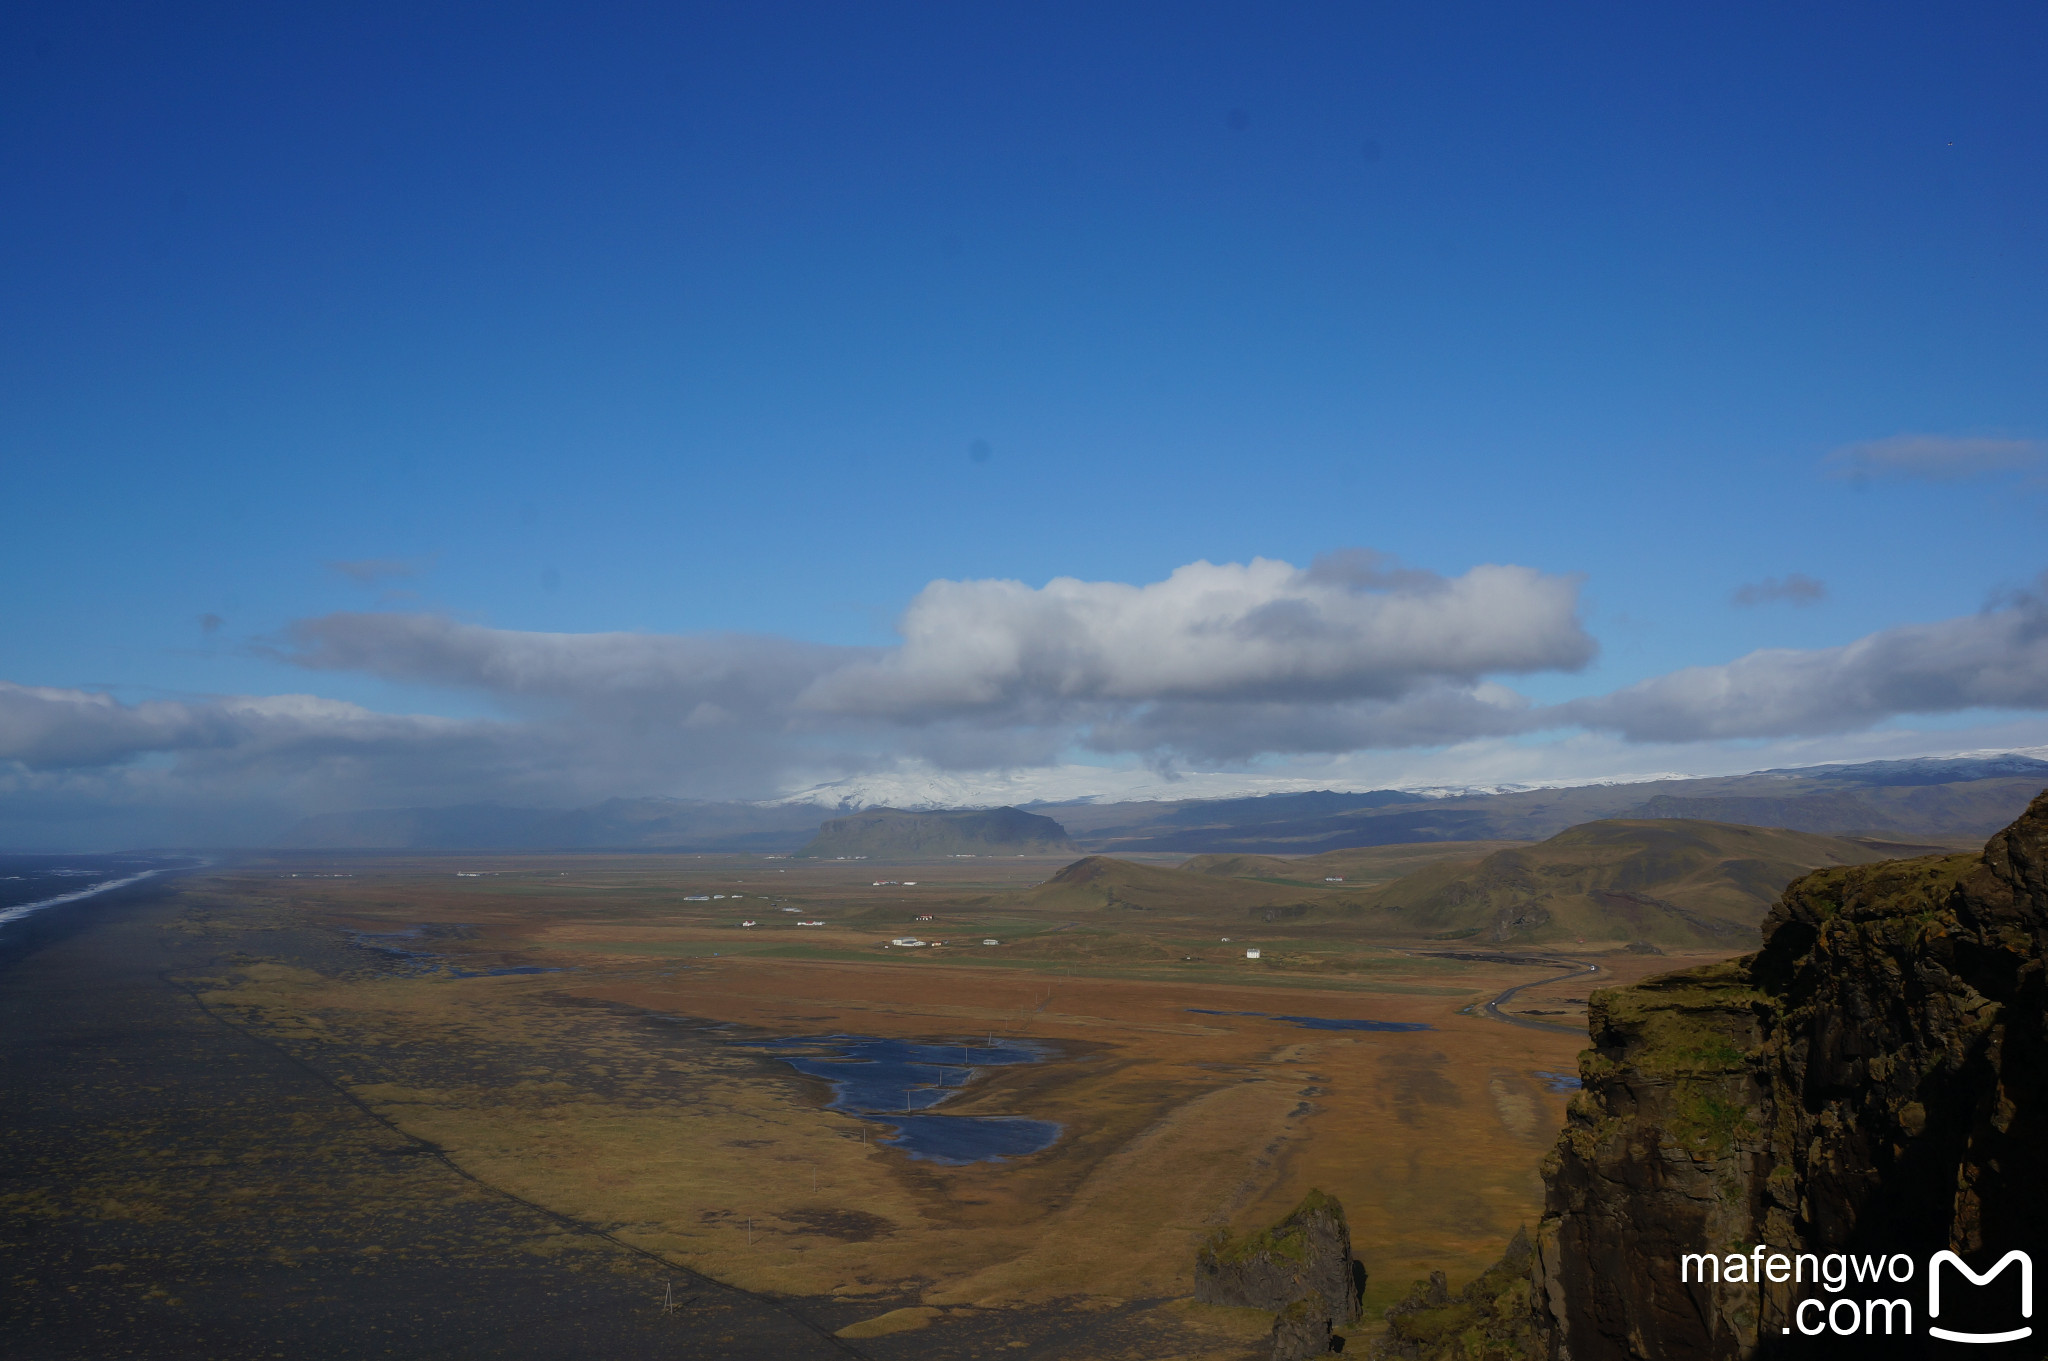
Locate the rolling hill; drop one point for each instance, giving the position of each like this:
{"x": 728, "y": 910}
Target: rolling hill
{"x": 892, "y": 834}
{"x": 1664, "y": 881}
{"x": 1097, "y": 883}
{"x": 1358, "y": 867}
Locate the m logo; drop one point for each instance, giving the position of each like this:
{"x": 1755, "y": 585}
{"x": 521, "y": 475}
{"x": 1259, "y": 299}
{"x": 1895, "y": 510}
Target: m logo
{"x": 2026, "y": 1294}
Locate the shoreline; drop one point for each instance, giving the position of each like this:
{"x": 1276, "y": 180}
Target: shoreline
{"x": 20, "y": 910}
{"x": 330, "y": 1226}
{"x": 29, "y": 929}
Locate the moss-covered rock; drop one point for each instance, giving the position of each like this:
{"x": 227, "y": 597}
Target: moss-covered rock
{"x": 1306, "y": 1254}
{"x": 1870, "y": 1081}
{"x": 1302, "y": 1329}
{"x": 1489, "y": 1320}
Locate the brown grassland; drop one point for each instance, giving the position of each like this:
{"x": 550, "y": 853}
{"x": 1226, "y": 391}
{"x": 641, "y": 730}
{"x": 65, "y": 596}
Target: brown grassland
{"x": 613, "y": 1093}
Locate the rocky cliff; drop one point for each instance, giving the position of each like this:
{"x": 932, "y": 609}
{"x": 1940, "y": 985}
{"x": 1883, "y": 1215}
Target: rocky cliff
{"x": 1301, "y": 1269}
{"x": 1489, "y": 1320}
{"x": 1874, "y": 1080}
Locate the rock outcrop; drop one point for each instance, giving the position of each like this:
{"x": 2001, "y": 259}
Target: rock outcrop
{"x": 1874, "y": 1080}
{"x": 1303, "y": 1329}
{"x": 1489, "y": 1320}
{"x": 1301, "y": 1269}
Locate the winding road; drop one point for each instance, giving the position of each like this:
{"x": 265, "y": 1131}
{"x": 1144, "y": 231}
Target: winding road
{"x": 1493, "y": 1008}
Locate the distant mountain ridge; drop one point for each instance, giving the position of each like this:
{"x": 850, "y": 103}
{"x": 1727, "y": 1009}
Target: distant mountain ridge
{"x": 1959, "y": 800}
{"x": 896, "y": 834}
{"x": 1949, "y": 799}
{"x": 1923, "y": 769}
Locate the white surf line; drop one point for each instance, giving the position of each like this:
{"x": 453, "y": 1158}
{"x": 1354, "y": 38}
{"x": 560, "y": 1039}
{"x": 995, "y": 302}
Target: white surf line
{"x": 20, "y": 910}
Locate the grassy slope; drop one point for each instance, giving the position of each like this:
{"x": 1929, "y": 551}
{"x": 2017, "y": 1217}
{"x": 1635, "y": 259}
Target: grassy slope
{"x": 1358, "y": 866}
{"x": 1098, "y": 883}
{"x": 1671, "y": 882}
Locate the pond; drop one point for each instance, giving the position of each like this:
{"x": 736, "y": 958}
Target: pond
{"x": 894, "y": 1082}
{"x": 425, "y": 962}
{"x": 1320, "y": 1022}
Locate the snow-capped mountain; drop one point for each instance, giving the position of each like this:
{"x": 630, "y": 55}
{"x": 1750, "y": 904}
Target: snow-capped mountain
{"x": 921, "y": 789}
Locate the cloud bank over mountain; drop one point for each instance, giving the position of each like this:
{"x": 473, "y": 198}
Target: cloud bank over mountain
{"x": 1261, "y": 667}
{"x": 1994, "y": 660}
{"x": 1345, "y": 629}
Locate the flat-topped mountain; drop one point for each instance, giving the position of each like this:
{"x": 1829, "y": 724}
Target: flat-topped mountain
{"x": 893, "y": 834}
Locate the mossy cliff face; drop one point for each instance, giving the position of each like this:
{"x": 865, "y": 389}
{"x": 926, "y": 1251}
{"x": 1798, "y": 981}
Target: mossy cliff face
{"x": 1875, "y": 1079}
{"x": 1489, "y": 1320}
{"x": 1306, "y": 1255}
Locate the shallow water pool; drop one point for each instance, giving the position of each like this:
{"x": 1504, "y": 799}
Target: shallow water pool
{"x": 893, "y": 1082}
{"x": 1320, "y": 1022}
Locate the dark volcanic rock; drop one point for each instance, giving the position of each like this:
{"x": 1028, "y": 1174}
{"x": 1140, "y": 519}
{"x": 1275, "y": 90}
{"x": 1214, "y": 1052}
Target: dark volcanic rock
{"x": 1871, "y": 1082}
{"x": 1307, "y": 1254}
{"x": 1489, "y": 1320}
{"x": 1302, "y": 1329}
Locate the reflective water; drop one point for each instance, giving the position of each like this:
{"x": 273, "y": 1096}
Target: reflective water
{"x": 30, "y": 883}
{"x": 1319, "y": 1022}
{"x": 424, "y": 962}
{"x": 889, "y": 1082}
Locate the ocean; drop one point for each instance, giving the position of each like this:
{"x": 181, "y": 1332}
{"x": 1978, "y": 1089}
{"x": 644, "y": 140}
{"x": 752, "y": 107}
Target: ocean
{"x": 32, "y": 883}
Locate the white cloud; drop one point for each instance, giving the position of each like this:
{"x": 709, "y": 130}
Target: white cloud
{"x": 704, "y": 675}
{"x": 1348, "y": 674}
{"x": 1994, "y": 660}
{"x": 1939, "y": 458}
{"x": 1220, "y": 662}
{"x": 1259, "y": 633}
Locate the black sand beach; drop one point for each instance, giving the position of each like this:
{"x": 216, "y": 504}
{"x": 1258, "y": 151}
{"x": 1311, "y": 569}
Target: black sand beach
{"x": 175, "y": 1187}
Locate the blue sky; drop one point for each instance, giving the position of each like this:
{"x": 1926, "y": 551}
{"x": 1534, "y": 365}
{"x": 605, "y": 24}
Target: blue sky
{"x": 687, "y": 321}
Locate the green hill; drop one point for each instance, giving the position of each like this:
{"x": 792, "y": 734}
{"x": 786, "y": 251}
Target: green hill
{"x": 1357, "y": 866}
{"x": 892, "y": 834}
{"x": 1099, "y": 883}
{"x": 1244, "y": 866}
{"x": 1667, "y": 881}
